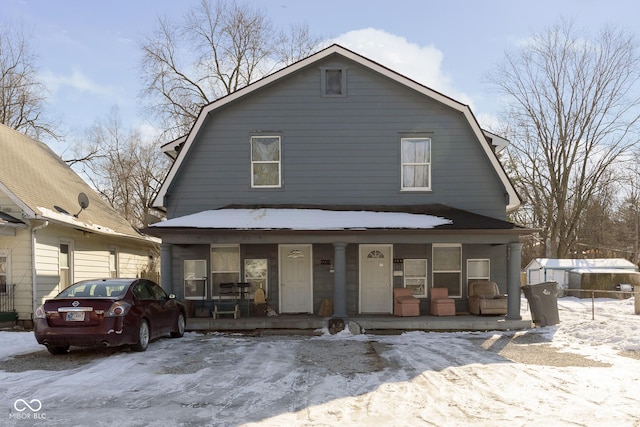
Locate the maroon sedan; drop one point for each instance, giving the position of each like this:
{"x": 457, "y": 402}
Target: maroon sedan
{"x": 106, "y": 313}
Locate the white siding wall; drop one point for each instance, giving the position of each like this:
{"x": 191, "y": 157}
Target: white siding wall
{"x": 19, "y": 250}
{"x": 90, "y": 259}
{"x": 47, "y": 262}
{"x": 133, "y": 263}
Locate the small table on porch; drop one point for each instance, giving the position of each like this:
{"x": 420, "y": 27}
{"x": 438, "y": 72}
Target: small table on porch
{"x": 236, "y": 293}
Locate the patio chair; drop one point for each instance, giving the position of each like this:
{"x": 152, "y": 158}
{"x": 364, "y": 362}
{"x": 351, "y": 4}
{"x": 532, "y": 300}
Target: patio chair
{"x": 441, "y": 304}
{"x": 485, "y": 298}
{"x": 404, "y": 303}
{"x": 259, "y": 303}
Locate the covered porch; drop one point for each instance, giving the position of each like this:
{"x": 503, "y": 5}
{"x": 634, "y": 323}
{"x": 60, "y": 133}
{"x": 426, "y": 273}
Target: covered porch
{"x": 354, "y": 256}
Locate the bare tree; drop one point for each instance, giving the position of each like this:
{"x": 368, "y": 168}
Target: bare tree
{"x": 628, "y": 210}
{"x": 123, "y": 168}
{"x": 572, "y": 116}
{"x": 219, "y": 47}
{"x": 22, "y": 94}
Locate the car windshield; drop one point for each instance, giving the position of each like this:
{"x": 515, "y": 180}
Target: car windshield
{"x": 102, "y": 289}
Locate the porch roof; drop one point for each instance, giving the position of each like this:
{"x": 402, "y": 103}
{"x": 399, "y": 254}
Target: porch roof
{"x": 301, "y": 219}
{"x": 318, "y": 218}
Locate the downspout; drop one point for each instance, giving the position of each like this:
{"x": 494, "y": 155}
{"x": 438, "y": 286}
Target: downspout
{"x": 33, "y": 266}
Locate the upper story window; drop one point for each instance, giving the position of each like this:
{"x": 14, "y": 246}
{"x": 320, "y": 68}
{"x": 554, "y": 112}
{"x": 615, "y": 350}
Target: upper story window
{"x": 265, "y": 162}
{"x": 416, "y": 163}
{"x": 334, "y": 81}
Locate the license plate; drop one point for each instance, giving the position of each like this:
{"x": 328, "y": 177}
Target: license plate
{"x": 75, "y": 316}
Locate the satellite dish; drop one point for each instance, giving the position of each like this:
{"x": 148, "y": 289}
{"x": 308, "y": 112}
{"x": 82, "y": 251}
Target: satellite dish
{"x": 83, "y": 201}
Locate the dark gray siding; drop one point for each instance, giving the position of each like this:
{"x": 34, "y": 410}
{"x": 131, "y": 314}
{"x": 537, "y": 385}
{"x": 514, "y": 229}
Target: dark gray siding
{"x": 335, "y": 150}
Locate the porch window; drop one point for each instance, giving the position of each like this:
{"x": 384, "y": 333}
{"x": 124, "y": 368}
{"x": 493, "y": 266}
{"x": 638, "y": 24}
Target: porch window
{"x": 225, "y": 266}
{"x": 265, "y": 162}
{"x": 113, "y": 262}
{"x": 256, "y": 274}
{"x": 4, "y": 271}
{"x": 65, "y": 255}
{"x": 447, "y": 268}
{"x": 416, "y": 164}
{"x": 195, "y": 278}
{"x": 478, "y": 269}
{"x": 415, "y": 276}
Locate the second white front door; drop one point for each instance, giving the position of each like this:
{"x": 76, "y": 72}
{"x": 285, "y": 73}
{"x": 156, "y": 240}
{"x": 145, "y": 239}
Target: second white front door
{"x": 296, "y": 290}
{"x": 376, "y": 287}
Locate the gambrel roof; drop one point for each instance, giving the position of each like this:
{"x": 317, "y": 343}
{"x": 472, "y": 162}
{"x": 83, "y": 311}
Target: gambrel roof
{"x": 34, "y": 178}
{"x": 185, "y": 143}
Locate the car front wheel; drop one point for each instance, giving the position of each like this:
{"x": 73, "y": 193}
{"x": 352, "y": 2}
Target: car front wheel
{"x": 143, "y": 336}
{"x": 180, "y": 324}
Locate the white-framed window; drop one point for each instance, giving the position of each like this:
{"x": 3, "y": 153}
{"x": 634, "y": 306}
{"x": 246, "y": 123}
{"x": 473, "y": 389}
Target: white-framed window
{"x": 4, "y": 272}
{"x": 333, "y": 82}
{"x": 225, "y": 267}
{"x": 416, "y": 164}
{"x": 415, "y": 276}
{"x": 65, "y": 263}
{"x": 113, "y": 262}
{"x": 478, "y": 269}
{"x": 265, "y": 162}
{"x": 256, "y": 273}
{"x": 195, "y": 279}
{"x": 447, "y": 268}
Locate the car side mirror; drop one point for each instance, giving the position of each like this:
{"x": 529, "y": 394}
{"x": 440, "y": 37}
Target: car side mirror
{"x": 172, "y": 296}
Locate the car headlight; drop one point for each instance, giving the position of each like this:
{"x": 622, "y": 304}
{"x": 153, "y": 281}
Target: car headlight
{"x": 118, "y": 309}
{"x": 40, "y": 313}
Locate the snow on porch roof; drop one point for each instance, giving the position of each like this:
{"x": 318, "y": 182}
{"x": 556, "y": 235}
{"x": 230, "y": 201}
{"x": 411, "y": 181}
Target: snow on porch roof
{"x": 302, "y": 219}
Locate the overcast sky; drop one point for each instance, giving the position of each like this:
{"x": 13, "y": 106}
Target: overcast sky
{"x": 88, "y": 51}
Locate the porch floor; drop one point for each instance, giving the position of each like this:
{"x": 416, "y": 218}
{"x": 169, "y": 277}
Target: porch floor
{"x": 308, "y": 323}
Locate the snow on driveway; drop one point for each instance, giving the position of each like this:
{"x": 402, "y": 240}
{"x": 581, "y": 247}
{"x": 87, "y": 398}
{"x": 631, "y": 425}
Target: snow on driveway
{"x": 582, "y": 372}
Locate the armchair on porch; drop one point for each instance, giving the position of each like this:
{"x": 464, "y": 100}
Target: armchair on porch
{"x": 485, "y": 298}
{"x": 404, "y": 303}
{"x": 441, "y": 304}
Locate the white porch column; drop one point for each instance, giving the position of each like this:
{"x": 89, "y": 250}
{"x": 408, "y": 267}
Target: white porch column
{"x": 340, "y": 280}
{"x": 513, "y": 281}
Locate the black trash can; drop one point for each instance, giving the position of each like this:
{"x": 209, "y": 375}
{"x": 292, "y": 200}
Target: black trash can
{"x": 543, "y": 300}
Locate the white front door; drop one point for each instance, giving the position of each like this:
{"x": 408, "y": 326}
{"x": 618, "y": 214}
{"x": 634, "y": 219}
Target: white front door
{"x": 296, "y": 290}
{"x": 376, "y": 289}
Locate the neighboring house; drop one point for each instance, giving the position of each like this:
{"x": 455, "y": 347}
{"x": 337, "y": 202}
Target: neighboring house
{"x": 47, "y": 240}
{"x": 541, "y": 270}
{"x": 337, "y": 179}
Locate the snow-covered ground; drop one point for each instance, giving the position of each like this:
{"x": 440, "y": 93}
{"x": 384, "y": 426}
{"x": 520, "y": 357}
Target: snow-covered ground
{"x": 582, "y": 372}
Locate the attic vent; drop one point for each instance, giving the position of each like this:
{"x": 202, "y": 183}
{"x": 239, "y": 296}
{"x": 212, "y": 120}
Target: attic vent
{"x": 333, "y": 82}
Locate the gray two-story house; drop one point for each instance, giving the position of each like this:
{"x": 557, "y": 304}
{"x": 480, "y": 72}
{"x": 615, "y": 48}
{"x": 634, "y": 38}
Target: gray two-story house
{"x": 337, "y": 179}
